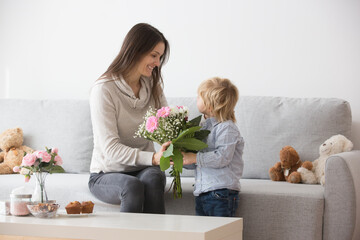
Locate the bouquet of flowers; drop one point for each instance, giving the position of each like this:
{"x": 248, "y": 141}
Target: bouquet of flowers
{"x": 40, "y": 163}
{"x": 171, "y": 124}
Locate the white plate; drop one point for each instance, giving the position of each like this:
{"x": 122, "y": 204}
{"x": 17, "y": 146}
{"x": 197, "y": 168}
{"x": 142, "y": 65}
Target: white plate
{"x": 64, "y": 214}
{"x": 74, "y": 215}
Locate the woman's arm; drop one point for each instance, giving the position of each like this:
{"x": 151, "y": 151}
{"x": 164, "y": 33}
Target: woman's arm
{"x": 104, "y": 121}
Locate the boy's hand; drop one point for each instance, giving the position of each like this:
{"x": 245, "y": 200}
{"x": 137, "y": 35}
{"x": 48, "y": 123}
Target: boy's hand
{"x": 188, "y": 158}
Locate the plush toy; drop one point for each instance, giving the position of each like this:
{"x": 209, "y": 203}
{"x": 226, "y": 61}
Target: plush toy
{"x": 316, "y": 173}
{"x": 286, "y": 169}
{"x": 11, "y": 141}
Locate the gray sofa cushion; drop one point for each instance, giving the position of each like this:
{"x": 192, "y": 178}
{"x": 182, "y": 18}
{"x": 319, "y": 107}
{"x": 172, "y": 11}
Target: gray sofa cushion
{"x": 270, "y": 123}
{"x": 266, "y": 123}
{"x": 50, "y": 123}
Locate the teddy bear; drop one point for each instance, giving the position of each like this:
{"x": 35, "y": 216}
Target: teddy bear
{"x": 12, "y": 150}
{"x": 286, "y": 169}
{"x": 316, "y": 173}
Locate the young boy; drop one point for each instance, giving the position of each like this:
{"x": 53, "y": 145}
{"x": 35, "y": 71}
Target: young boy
{"x": 219, "y": 167}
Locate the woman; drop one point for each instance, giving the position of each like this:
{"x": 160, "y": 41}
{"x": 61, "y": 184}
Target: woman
{"x": 123, "y": 168}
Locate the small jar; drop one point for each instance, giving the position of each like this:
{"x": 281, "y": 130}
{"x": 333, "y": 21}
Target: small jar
{"x": 18, "y": 204}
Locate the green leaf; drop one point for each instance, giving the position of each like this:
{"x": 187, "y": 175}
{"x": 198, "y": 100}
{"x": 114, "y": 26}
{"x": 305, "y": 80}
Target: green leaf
{"x": 185, "y": 133}
{"x": 190, "y": 144}
{"x": 57, "y": 169}
{"x": 45, "y": 167}
{"x": 164, "y": 163}
{"x": 52, "y": 169}
{"x": 178, "y": 160}
{"x": 195, "y": 121}
{"x": 169, "y": 151}
{"x": 202, "y": 134}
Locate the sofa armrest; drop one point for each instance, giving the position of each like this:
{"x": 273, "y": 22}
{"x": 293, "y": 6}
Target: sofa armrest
{"x": 342, "y": 196}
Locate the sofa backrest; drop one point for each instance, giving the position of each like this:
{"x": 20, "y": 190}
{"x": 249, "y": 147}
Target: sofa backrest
{"x": 266, "y": 124}
{"x": 64, "y": 124}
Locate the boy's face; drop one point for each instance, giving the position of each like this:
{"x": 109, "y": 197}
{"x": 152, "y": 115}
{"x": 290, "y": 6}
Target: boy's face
{"x": 201, "y": 106}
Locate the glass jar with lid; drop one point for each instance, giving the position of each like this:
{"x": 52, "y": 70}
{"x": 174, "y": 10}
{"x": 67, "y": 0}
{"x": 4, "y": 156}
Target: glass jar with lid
{"x": 18, "y": 204}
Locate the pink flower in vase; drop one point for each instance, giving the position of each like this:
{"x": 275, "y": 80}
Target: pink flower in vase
{"x": 151, "y": 124}
{"x": 27, "y": 178}
{"x": 163, "y": 112}
{"x": 46, "y": 157}
{"x": 16, "y": 169}
{"x": 54, "y": 150}
{"x": 28, "y": 160}
{"x": 58, "y": 160}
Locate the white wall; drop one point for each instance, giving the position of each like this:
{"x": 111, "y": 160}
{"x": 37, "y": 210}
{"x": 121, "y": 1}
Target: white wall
{"x": 293, "y": 48}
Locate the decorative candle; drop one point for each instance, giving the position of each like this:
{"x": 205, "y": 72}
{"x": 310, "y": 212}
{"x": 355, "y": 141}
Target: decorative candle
{"x": 18, "y": 205}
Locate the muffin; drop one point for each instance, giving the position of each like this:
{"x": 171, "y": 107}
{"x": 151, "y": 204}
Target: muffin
{"x": 73, "y": 208}
{"x": 87, "y": 207}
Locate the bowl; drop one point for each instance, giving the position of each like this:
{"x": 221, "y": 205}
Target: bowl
{"x": 43, "y": 210}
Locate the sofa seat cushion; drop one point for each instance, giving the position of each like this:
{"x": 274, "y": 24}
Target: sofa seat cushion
{"x": 272, "y": 209}
{"x": 185, "y": 205}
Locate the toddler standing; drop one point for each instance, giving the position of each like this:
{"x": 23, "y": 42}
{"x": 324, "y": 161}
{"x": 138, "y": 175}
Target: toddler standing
{"x": 219, "y": 167}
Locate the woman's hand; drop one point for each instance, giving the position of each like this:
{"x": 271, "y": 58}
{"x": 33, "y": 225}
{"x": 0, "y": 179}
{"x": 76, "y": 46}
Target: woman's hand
{"x": 157, "y": 156}
{"x": 188, "y": 158}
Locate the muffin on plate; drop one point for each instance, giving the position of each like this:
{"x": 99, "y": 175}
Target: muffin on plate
{"x": 73, "y": 207}
{"x": 87, "y": 207}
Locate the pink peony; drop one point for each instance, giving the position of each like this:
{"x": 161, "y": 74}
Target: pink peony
{"x": 45, "y": 157}
{"x": 58, "y": 160}
{"x": 16, "y": 169}
{"x": 163, "y": 112}
{"x": 151, "y": 124}
{"x": 28, "y": 160}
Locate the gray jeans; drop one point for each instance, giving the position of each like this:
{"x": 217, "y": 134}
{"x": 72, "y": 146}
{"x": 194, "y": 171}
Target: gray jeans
{"x": 140, "y": 191}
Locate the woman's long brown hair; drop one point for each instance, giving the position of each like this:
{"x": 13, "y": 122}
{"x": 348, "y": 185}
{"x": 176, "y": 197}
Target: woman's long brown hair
{"x": 139, "y": 41}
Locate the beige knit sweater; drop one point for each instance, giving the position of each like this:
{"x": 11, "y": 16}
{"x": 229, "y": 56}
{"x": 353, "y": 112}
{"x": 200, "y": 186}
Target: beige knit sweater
{"x": 116, "y": 115}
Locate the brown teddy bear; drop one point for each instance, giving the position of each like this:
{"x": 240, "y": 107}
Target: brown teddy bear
{"x": 286, "y": 169}
{"x": 11, "y": 141}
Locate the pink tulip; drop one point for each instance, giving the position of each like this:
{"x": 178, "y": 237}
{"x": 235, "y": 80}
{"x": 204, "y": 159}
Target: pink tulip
{"x": 45, "y": 157}
{"x": 28, "y": 160}
{"x": 151, "y": 124}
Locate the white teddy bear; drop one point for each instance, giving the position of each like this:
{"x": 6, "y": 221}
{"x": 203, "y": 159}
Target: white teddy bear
{"x": 335, "y": 144}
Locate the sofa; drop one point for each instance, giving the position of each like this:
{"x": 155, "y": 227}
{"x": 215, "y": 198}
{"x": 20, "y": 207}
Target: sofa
{"x": 270, "y": 210}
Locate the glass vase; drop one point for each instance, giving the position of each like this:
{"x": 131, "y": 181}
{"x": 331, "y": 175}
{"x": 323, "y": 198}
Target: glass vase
{"x": 40, "y": 191}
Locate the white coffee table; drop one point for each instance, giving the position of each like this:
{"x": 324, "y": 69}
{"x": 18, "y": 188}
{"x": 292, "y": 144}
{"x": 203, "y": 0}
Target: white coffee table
{"x": 107, "y": 225}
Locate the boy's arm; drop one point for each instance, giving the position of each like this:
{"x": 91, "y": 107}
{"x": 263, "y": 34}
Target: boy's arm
{"x": 222, "y": 155}
{"x": 190, "y": 166}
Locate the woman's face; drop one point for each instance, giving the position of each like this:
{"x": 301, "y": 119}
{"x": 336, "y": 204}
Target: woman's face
{"x": 151, "y": 60}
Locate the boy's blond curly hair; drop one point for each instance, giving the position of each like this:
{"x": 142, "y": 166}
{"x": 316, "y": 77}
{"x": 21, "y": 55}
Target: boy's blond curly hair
{"x": 221, "y": 96}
